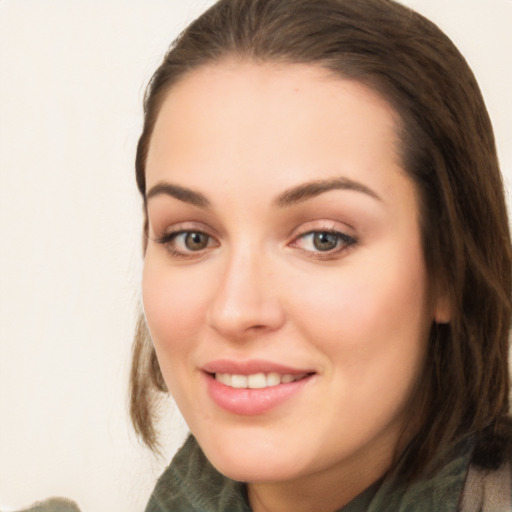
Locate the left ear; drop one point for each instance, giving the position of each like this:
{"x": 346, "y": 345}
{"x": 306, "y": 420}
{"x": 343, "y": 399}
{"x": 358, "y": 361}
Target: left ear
{"x": 442, "y": 307}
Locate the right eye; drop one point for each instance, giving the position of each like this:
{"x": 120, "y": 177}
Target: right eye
{"x": 186, "y": 243}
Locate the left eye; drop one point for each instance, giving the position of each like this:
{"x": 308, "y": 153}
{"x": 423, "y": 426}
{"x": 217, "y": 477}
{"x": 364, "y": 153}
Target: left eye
{"x": 192, "y": 240}
{"x": 323, "y": 241}
{"x": 186, "y": 242}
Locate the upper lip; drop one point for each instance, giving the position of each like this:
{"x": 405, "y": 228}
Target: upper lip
{"x": 250, "y": 367}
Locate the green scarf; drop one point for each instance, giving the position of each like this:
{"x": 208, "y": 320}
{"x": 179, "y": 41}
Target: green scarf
{"x": 192, "y": 484}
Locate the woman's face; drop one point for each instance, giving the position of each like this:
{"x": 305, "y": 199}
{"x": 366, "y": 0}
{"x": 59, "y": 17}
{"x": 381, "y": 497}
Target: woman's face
{"x": 284, "y": 282}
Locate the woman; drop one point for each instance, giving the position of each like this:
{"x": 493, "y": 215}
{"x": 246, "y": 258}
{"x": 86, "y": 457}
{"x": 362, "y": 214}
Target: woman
{"x": 326, "y": 278}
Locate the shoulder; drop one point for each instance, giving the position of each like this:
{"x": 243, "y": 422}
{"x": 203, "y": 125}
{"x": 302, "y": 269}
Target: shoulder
{"x": 53, "y": 505}
{"x": 488, "y": 490}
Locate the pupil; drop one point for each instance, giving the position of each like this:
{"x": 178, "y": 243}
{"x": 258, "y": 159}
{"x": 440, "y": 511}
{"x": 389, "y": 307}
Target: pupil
{"x": 325, "y": 241}
{"x": 196, "y": 241}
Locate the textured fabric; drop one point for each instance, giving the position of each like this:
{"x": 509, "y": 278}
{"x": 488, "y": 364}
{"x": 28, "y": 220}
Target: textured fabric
{"x": 191, "y": 484}
{"x": 488, "y": 491}
{"x": 439, "y": 490}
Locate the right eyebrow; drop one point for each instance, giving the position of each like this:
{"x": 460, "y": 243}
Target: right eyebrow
{"x": 184, "y": 194}
{"x": 315, "y": 188}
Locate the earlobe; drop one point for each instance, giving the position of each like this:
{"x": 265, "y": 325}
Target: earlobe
{"x": 443, "y": 310}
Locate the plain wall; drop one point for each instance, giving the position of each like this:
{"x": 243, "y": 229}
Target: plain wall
{"x": 72, "y": 76}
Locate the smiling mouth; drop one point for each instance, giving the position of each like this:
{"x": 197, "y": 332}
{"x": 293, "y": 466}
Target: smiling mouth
{"x": 257, "y": 380}
{"x": 254, "y": 387}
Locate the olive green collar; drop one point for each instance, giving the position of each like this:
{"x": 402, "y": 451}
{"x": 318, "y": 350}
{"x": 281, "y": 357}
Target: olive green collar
{"x": 192, "y": 484}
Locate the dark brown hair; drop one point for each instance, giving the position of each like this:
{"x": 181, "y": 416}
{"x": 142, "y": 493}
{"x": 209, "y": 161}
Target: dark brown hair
{"x": 447, "y": 148}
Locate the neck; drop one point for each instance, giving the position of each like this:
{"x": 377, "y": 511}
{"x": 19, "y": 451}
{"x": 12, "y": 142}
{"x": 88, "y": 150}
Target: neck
{"x": 325, "y": 491}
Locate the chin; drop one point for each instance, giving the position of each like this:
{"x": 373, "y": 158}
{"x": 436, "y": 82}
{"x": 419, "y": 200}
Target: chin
{"x": 251, "y": 462}
{"x": 255, "y": 472}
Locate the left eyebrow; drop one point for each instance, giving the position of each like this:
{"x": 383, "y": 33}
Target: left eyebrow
{"x": 315, "y": 188}
{"x": 184, "y": 194}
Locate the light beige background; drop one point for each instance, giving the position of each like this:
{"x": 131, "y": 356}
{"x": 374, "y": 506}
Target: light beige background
{"x": 72, "y": 76}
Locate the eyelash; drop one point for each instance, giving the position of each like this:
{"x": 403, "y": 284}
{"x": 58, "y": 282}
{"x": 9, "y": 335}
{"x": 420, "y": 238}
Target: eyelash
{"x": 343, "y": 243}
{"x": 168, "y": 238}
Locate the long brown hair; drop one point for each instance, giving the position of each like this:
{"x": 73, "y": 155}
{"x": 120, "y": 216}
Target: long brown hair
{"x": 448, "y": 150}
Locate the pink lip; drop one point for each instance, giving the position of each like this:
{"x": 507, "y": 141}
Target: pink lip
{"x": 251, "y": 402}
{"x": 251, "y": 366}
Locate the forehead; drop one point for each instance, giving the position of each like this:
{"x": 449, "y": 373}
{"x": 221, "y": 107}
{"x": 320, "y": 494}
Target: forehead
{"x": 295, "y": 121}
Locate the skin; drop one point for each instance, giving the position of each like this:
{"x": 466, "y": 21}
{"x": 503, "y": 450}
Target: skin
{"x": 242, "y": 134}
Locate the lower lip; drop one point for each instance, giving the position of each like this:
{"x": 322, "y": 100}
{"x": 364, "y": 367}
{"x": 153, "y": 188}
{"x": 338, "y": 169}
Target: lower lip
{"x": 250, "y": 402}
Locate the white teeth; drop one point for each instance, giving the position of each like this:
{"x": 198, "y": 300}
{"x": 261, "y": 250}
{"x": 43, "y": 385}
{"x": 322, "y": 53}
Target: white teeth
{"x": 239, "y": 381}
{"x": 225, "y": 378}
{"x": 273, "y": 379}
{"x": 257, "y": 380}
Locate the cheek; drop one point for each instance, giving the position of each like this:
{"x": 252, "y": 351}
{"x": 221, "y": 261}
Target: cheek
{"x": 372, "y": 327}
{"x": 374, "y": 311}
{"x": 174, "y": 303}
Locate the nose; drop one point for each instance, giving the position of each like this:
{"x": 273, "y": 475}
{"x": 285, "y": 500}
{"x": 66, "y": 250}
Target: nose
{"x": 245, "y": 301}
